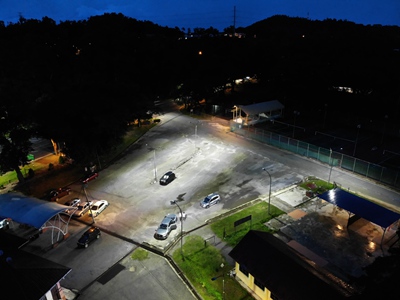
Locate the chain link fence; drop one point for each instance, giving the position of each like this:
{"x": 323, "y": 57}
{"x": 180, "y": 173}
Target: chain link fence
{"x": 376, "y": 172}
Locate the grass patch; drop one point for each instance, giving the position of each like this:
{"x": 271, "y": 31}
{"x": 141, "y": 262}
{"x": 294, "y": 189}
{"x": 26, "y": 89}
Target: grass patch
{"x": 140, "y": 254}
{"x": 316, "y": 185}
{"x": 201, "y": 261}
{"x": 226, "y": 230}
{"x": 204, "y": 262}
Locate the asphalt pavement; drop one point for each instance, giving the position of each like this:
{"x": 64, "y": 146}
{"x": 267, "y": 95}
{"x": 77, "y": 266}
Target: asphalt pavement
{"x": 105, "y": 270}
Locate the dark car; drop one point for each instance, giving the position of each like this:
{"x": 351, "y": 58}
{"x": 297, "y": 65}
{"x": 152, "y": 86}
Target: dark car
{"x": 90, "y": 177}
{"x": 55, "y": 195}
{"x": 167, "y": 178}
{"x": 93, "y": 233}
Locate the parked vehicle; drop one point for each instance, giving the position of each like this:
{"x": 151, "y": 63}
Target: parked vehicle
{"x": 167, "y": 178}
{"x": 57, "y": 194}
{"x": 73, "y": 202}
{"x": 97, "y": 207}
{"x": 167, "y": 225}
{"x": 90, "y": 177}
{"x": 82, "y": 209}
{"x": 210, "y": 200}
{"x": 93, "y": 233}
{"x": 72, "y": 205}
{"x": 5, "y": 224}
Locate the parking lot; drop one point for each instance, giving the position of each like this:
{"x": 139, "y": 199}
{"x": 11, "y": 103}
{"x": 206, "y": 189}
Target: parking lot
{"x": 206, "y": 158}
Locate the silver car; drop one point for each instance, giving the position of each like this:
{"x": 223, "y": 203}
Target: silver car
{"x": 82, "y": 209}
{"x": 210, "y": 200}
{"x": 167, "y": 225}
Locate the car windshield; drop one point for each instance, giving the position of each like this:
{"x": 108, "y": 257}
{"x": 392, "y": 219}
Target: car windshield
{"x": 206, "y": 200}
{"x": 95, "y": 207}
{"x": 163, "y": 226}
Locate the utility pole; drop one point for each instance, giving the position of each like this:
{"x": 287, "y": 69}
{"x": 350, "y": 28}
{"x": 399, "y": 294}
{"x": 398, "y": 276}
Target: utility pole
{"x": 234, "y": 21}
{"x": 87, "y": 201}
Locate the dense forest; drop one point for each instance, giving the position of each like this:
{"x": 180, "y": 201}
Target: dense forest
{"x": 79, "y": 83}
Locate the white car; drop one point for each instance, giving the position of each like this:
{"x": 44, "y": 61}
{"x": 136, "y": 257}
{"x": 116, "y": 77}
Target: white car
{"x": 98, "y": 206}
{"x": 5, "y": 224}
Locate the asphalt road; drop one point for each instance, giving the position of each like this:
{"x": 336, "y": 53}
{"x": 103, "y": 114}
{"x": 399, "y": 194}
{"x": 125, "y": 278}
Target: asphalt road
{"x": 206, "y": 157}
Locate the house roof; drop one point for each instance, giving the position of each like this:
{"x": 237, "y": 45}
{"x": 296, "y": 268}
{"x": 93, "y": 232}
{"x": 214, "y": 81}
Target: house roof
{"x": 28, "y": 210}
{"x": 361, "y": 207}
{"x": 263, "y": 107}
{"x": 285, "y": 272}
{"x": 23, "y": 275}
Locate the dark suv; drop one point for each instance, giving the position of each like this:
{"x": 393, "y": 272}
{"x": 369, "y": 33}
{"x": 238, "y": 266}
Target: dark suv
{"x": 93, "y": 233}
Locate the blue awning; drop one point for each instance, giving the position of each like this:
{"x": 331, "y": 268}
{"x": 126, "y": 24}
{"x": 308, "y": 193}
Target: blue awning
{"x": 28, "y": 210}
{"x": 361, "y": 207}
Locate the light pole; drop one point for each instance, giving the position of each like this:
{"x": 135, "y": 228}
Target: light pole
{"x": 355, "y": 144}
{"x": 269, "y": 195}
{"x": 180, "y": 211}
{"x": 223, "y": 281}
{"x": 296, "y": 113}
{"x": 195, "y": 138}
{"x": 195, "y": 134}
{"x": 154, "y": 164}
{"x": 330, "y": 163}
{"x": 87, "y": 200}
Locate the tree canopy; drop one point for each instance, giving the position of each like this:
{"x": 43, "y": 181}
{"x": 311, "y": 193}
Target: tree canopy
{"x": 80, "y": 83}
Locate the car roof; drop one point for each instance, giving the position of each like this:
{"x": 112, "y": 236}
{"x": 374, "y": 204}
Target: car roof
{"x": 91, "y": 229}
{"x": 168, "y": 218}
{"x": 212, "y": 195}
{"x": 97, "y": 202}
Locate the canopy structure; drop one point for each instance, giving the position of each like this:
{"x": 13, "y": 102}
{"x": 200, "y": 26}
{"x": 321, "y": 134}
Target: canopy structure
{"x": 256, "y": 113}
{"x": 34, "y": 212}
{"x": 361, "y": 208}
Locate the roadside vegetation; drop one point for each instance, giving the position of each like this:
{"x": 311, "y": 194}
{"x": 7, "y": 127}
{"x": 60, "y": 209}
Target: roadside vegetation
{"x": 225, "y": 227}
{"x": 202, "y": 262}
{"x": 140, "y": 254}
{"x": 47, "y": 175}
{"x": 316, "y": 186}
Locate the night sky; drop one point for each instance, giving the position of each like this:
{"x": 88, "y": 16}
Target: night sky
{"x": 192, "y": 14}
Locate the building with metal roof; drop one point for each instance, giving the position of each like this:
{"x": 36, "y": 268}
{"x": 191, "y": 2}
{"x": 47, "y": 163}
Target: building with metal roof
{"x": 36, "y": 213}
{"x": 256, "y": 113}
